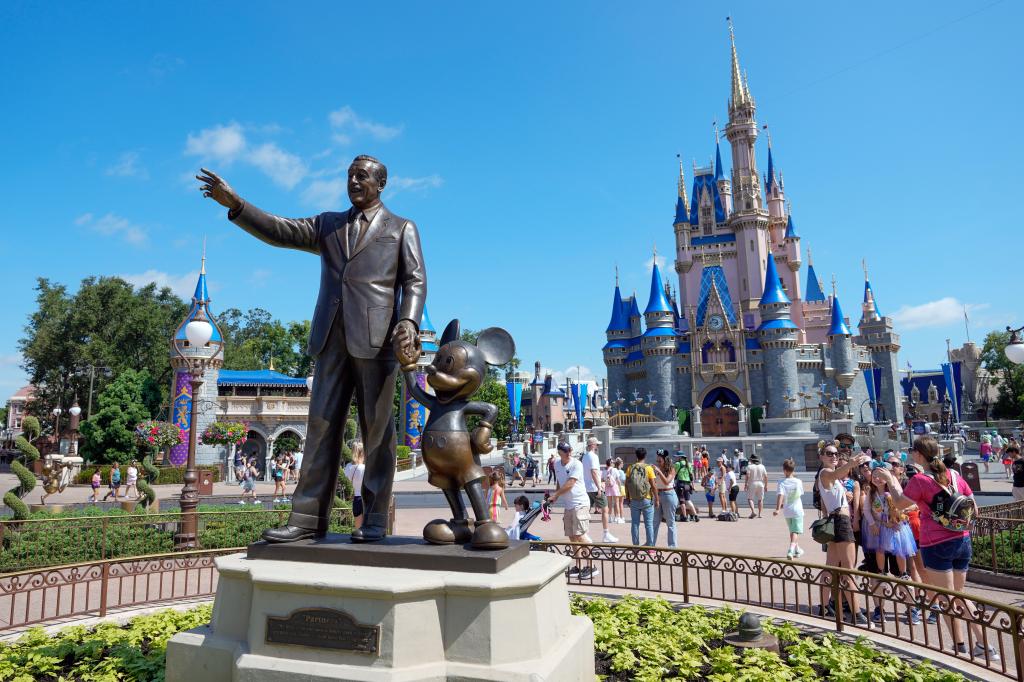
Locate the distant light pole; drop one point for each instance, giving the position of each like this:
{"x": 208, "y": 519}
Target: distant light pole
{"x": 75, "y": 413}
{"x": 56, "y": 427}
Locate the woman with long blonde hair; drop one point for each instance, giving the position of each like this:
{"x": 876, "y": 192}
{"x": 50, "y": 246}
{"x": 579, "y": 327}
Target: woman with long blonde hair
{"x": 354, "y": 472}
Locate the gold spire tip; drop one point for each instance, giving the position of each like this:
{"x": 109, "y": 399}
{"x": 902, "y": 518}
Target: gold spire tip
{"x": 202, "y": 268}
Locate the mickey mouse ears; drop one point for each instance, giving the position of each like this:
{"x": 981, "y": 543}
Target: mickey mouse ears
{"x": 497, "y": 345}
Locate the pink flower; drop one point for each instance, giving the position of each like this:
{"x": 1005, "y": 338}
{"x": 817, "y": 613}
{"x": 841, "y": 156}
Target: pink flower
{"x": 151, "y": 439}
{"x": 154, "y": 430}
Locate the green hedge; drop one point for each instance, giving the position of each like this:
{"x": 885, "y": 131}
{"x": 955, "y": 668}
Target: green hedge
{"x": 81, "y": 539}
{"x": 133, "y": 652}
{"x": 1009, "y": 551}
{"x": 164, "y": 475}
{"x": 649, "y": 639}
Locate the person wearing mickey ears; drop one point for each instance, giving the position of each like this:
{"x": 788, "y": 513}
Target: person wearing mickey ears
{"x": 945, "y": 551}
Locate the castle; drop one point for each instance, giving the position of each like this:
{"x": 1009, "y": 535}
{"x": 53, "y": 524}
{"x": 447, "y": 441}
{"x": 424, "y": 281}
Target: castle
{"x": 746, "y": 343}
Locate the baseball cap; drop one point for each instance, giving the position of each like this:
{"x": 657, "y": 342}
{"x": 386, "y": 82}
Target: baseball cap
{"x": 564, "y": 447}
{"x": 593, "y": 441}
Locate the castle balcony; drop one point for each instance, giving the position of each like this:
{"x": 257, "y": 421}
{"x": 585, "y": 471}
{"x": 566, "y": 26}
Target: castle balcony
{"x": 710, "y": 370}
{"x": 263, "y": 407}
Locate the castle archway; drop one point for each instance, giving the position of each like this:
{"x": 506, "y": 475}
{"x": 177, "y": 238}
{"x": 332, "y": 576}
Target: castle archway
{"x": 719, "y": 416}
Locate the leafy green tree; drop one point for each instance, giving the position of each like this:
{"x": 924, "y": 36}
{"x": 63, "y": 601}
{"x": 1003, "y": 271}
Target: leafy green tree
{"x": 109, "y": 437}
{"x": 286, "y": 443}
{"x": 3, "y": 415}
{"x": 1006, "y": 376}
{"x": 106, "y": 323}
{"x": 254, "y": 338}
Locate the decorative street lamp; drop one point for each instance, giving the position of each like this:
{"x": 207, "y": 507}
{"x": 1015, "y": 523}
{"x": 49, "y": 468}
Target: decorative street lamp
{"x": 197, "y": 354}
{"x": 56, "y": 427}
{"x": 75, "y": 413}
{"x": 1015, "y": 348}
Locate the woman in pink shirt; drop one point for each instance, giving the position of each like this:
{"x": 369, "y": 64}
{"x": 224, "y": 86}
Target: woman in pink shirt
{"x": 945, "y": 551}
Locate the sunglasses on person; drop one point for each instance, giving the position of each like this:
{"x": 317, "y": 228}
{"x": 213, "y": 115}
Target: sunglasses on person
{"x": 830, "y": 453}
{"x": 846, "y": 446}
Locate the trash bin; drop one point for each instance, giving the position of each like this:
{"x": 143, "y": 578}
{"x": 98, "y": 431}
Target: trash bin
{"x": 969, "y": 471}
{"x": 205, "y": 482}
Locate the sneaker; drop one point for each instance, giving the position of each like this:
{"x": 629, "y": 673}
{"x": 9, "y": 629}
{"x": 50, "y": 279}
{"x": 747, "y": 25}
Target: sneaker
{"x": 860, "y": 619}
{"x": 589, "y": 573}
{"x": 878, "y": 616}
{"x": 574, "y": 571}
{"x": 905, "y": 576}
{"x": 752, "y": 515}
{"x": 276, "y": 501}
{"x": 696, "y": 519}
{"x": 608, "y": 537}
{"x": 961, "y": 648}
{"x": 789, "y": 554}
{"x": 913, "y": 616}
{"x": 799, "y": 552}
{"x": 826, "y": 611}
{"x": 241, "y": 502}
{"x": 981, "y": 652}
{"x": 933, "y": 615}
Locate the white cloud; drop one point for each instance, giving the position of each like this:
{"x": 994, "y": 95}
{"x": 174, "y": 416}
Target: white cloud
{"x": 940, "y": 313}
{"x": 649, "y": 263}
{"x": 260, "y": 277}
{"x": 113, "y": 225}
{"x": 127, "y": 166}
{"x": 183, "y": 285}
{"x": 280, "y": 166}
{"x": 325, "y": 194}
{"x": 345, "y": 121}
{"x": 398, "y": 184}
{"x": 220, "y": 143}
{"x": 585, "y": 374}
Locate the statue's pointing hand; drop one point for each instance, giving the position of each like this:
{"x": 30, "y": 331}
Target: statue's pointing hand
{"x": 215, "y": 188}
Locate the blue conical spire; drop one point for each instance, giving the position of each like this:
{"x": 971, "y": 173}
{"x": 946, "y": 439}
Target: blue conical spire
{"x": 200, "y": 301}
{"x": 682, "y": 213}
{"x": 814, "y": 292}
{"x": 634, "y": 309}
{"x": 658, "y": 301}
{"x": 790, "y": 230}
{"x": 202, "y": 295}
{"x": 869, "y": 297}
{"x": 718, "y": 158}
{"x": 838, "y": 326}
{"x": 425, "y": 324}
{"x": 773, "y": 291}
{"x": 620, "y": 320}
{"x": 769, "y": 179}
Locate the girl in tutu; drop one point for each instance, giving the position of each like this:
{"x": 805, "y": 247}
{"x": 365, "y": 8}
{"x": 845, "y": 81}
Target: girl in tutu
{"x": 886, "y": 530}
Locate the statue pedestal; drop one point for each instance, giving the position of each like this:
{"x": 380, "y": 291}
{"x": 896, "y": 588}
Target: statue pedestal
{"x": 277, "y": 620}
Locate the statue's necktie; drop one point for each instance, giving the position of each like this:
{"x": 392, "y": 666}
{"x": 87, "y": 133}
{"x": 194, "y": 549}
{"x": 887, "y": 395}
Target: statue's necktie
{"x": 355, "y": 230}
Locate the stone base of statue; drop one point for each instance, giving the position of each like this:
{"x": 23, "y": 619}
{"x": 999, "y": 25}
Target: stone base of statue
{"x": 398, "y": 610}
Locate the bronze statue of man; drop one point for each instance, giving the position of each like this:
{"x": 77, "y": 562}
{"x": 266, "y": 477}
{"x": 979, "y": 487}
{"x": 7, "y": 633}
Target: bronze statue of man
{"x": 372, "y": 288}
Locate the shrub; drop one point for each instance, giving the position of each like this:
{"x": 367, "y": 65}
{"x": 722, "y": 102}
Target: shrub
{"x": 26, "y": 479}
{"x": 164, "y": 475}
{"x": 404, "y": 452}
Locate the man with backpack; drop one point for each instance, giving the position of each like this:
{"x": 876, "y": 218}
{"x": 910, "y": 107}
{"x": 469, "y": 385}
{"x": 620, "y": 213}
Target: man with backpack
{"x": 684, "y": 488}
{"x": 641, "y": 497}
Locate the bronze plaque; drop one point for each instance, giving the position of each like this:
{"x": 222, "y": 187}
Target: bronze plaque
{"x": 323, "y": 629}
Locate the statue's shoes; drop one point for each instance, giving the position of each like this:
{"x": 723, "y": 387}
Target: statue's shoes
{"x": 291, "y": 534}
{"x": 369, "y": 534}
{"x": 489, "y": 535}
{"x": 441, "y": 532}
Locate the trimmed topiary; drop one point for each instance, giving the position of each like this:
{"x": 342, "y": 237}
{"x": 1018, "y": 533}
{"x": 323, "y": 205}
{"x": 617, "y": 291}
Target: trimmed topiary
{"x": 26, "y": 479}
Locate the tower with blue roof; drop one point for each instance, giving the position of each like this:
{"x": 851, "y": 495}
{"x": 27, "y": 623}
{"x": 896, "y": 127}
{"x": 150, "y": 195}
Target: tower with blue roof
{"x": 751, "y": 330}
{"x": 181, "y": 387}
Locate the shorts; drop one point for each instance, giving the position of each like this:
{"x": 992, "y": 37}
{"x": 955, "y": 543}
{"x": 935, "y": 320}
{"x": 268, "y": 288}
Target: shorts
{"x": 795, "y": 524}
{"x": 357, "y": 506}
{"x": 985, "y": 457}
{"x": 576, "y": 521}
{"x": 734, "y": 492}
{"x": 756, "y": 491}
{"x": 843, "y": 528}
{"x": 598, "y": 499}
{"x": 951, "y": 555}
{"x": 683, "y": 490}
{"x": 710, "y": 497}
{"x": 870, "y": 564}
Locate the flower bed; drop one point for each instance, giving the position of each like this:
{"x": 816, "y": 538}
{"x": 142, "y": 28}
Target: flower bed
{"x": 649, "y": 639}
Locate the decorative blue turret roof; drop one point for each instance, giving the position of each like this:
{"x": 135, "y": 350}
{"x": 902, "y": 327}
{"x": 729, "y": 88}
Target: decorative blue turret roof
{"x": 620, "y": 317}
{"x": 869, "y": 295}
{"x": 425, "y": 324}
{"x": 200, "y": 301}
{"x": 551, "y": 388}
{"x": 773, "y": 291}
{"x": 814, "y": 292}
{"x": 202, "y": 295}
{"x": 790, "y": 230}
{"x": 658, "y": 301}
{"x": 839, "y": 326}
{"x": 769, "y": 178}
{"x": 634, "y": 309}
{"x": 718, "y": 160}
{"x": 700, "y": 182}
{"x": 660, "y": 331}
{"x": 682, "y": 215}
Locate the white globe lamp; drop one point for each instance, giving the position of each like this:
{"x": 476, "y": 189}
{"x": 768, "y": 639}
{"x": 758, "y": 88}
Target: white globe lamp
{"x": 75, "y": 410}
{"x": 198, "y": 333}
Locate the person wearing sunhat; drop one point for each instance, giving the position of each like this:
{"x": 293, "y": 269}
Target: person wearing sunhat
{"x": 755, "y": 485}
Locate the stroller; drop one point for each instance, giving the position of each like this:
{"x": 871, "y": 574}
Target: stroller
{"x": 519, "y": 530}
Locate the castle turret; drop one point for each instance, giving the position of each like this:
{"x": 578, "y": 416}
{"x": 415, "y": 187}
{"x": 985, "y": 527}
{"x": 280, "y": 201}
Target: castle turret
{"x": 742, "y": 134}
{"x": 778, "y": 337}
{"x": 883, "y": 343}
{"x": 841, "y": 342}
{"x": 658, "y": 344}
{"x": 722, "y": 182}
{"x": 617, "y": 347}
{"x": 869, "y": 309}
{"x": 817, "y": 309}
{"x": 181, "y": 386}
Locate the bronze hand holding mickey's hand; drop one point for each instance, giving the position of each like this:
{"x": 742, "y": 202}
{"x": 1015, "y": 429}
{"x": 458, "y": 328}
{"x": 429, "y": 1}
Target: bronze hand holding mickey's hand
{"x": 406, "y": 345}
{"x": 215, "y": 188}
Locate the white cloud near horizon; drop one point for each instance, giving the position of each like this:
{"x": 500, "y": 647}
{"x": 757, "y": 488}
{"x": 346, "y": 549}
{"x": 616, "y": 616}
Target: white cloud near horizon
{"x": 127, "y": 166}
{"x": 113, "y": 225}
{"x": 398, "y": 184}
{"x": 944, "y": 311}
{"x": 226, "y": 144}
{"x": 649, "y": 263}
{"x": 347, "y": 124}
{"x": 325, "y": 195}
{"x": 558, "y": 375}
{"x": 183, "y": 285}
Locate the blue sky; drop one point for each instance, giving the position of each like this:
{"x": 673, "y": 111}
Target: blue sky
{"x": 534, "y": 144}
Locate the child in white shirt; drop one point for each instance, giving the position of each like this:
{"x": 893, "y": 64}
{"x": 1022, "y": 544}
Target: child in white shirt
{"x": 789, "y": 502}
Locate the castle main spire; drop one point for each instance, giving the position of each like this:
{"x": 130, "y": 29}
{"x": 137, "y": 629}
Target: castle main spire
{"x": 740, "y": 94}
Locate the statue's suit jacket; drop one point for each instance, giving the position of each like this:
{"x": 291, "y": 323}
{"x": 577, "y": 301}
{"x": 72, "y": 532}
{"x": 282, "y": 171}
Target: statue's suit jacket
{"x": 382, "y": 281}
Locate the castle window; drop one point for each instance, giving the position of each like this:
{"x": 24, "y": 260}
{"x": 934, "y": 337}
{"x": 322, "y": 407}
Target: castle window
{"x": 751, "y": 245}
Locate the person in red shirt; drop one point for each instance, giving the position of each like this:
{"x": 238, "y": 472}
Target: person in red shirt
{"x": 945, "y": 552}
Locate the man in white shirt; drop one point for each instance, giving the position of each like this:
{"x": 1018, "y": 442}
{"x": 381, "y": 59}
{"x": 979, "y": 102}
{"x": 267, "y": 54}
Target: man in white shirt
{"x": 592, "y": 482}
{"x": 575, "y": 503}
{"x": 757, "y": 482}
{"x": 297, "y": 458}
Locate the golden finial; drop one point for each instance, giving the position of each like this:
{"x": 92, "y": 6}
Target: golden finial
{"x": 271, "y": 365}
{"x": 616, "y": 274}
{"x": 833, "y": 285}
{"x": 202, "y": 269}
{"x": 864, "y": 264}
{"x": 810, "y": 261}
{"x": 715, "y": 125}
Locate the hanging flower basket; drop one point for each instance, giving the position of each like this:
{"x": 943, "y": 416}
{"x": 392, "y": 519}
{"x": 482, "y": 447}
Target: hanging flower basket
{"x": 225, "y": 433}
{"x": 157, "y": 435}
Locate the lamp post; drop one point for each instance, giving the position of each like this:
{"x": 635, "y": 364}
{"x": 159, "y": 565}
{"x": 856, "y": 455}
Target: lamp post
{"x": 197, "y": 356}
{"x": 56, "y": 427}
{"x": 75, "y": 413}
{"x": 1015, "y": 348}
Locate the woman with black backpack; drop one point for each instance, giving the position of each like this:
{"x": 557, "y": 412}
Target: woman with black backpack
{"x": 948, "y": 511}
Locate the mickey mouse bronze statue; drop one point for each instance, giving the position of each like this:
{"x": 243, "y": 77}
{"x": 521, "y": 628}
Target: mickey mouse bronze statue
{"x": 450, "y": 452}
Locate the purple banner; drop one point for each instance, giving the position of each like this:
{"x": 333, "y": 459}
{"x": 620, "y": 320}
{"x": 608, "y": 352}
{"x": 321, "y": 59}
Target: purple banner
{"x": 415, "y": 415}
{"x": 180, "y": 415}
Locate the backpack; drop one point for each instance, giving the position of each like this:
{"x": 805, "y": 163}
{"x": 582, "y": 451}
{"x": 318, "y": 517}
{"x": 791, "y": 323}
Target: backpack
{"x": 638, "y": 486}
{"x": 728, "y": 516}
{"x": 950, "y": 509}
{"x": 816, "y": 494}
